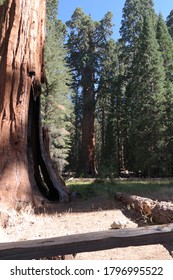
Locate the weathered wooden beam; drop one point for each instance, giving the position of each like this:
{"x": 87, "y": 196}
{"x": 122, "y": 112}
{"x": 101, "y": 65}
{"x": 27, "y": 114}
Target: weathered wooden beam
{"x": 86, "y": 242}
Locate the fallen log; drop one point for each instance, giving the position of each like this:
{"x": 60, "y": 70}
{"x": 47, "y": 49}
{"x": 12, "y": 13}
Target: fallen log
{"x": 160, "y": 212}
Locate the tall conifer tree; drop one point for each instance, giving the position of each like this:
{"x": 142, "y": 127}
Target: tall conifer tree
{"x": 132, "y": 25}
{"x": 56, "y": 102}
{"x": 166, "y": 48}
{"x": 107, "y": 109}
{"x": 165, "y": 45}
{"x": 131, "y": 29}
{"x": 169, "y": 22}
{"x": 86, "y": 44}
{"x": 147, "y": 101}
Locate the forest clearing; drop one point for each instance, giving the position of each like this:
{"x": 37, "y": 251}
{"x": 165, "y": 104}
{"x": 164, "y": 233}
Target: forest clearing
{"x": 93, "y": 209}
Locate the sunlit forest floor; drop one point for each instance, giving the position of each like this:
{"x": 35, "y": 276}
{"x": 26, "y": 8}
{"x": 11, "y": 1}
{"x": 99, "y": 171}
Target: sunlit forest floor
{"x": 154, "y": 188}
{"x": 92, "y": 207}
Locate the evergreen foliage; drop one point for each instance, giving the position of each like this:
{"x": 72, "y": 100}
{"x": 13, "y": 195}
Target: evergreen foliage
{"x": 132, "y": 25}
{"x": 56, "y": 104}
{"x": 165, "y": 45}
{"x": 86, "y": 43}
{"x": 122, "y": 92}
{"x": 1, "y": 2}
{"x": 131, "y": 29}
{"x": 169, "y": 22}
{"x": 166, "y": 49}
{"x": 147, "y": 100}
{"x": 107, "y": 111}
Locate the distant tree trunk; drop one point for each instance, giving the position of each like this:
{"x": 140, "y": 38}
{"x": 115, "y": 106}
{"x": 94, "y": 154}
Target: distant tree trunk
{"x": 88, "y": 134}
{"x": 22, "y": 35}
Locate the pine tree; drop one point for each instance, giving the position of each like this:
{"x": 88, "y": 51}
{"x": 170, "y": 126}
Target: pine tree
{"x": 132, "y": 26}
{"x": 147, "y": 110}
{"x": 56, "y": 105}
{"x": 74, "y": 156}
{"x": 166, "y": 45}
{"x": 166, "y": 49}
{"x": 108, "y": 111}
{"x": 169, "y": 22}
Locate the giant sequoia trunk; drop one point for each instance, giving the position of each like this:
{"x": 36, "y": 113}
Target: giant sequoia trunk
{"x": 22, "y": 35}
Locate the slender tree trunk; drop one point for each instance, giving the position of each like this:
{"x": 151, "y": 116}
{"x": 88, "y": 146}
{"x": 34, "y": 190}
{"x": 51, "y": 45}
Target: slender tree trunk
{"x": 88, "y": 134}
{"x": 102, "y": 134}
{"x": 22, "y": 35}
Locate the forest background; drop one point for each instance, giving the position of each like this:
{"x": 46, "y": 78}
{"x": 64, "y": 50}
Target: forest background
{"x": 108, "y": 105}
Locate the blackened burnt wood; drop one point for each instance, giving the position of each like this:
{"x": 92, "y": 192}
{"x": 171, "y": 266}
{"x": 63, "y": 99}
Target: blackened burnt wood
{"x": 86, "y": 242}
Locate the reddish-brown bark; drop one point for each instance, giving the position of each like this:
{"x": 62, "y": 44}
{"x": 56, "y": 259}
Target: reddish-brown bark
{"x": 22, "y": 35}
{"x": 88, "y": 134}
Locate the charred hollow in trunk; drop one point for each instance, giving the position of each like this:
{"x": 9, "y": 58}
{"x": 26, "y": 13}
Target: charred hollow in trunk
{"x": 40, "y": 171}
{"x": 51, "y": 186}
{"x": 22, "y": 34}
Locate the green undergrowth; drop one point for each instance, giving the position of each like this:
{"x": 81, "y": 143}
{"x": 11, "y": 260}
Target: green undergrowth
{"x": 161, "y": 189}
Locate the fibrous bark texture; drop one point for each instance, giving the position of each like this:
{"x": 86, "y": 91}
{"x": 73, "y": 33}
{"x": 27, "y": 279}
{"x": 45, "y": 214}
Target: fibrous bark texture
{"x": 22, "y": 36}
{"x": 160, "y": 212}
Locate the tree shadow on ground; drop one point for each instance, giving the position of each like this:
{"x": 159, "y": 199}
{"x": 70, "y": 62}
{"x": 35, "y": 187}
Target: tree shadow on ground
{"x": 93, "y": 204}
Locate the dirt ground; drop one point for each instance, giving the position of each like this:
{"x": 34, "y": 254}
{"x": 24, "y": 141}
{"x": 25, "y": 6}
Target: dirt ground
{"x": 80, "y": 216}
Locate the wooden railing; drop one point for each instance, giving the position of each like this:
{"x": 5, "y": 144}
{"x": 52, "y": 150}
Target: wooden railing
{"x": 87, "y": 242}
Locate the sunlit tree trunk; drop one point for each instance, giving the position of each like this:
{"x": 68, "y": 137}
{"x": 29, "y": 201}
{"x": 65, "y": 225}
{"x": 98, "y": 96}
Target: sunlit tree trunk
{"x": 22, "y": 35}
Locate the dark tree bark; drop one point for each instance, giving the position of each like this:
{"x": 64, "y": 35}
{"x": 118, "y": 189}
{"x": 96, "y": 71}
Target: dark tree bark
{"x": 88, "y": 134}
{"x": 22, "y": 35}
